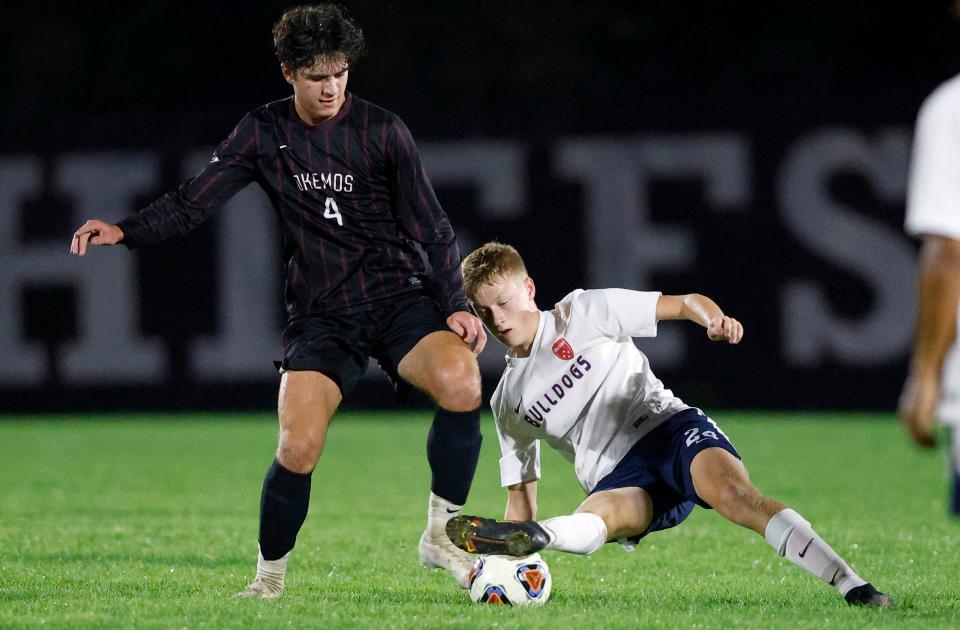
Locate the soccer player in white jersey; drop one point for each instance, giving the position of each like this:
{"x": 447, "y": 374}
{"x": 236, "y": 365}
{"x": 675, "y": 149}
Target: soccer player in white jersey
{"x": 932, "y": 389}
{"x": 575, "y": 379}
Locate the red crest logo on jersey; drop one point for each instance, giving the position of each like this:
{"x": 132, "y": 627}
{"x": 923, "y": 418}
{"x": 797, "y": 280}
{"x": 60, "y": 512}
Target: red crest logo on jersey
{"x": 562, "y": 349}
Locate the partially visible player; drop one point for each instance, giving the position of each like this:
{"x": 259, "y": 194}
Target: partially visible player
{"x": 355, "y": 209}
{"x": 575, "y": 379}
{"x": 932, "y": 389}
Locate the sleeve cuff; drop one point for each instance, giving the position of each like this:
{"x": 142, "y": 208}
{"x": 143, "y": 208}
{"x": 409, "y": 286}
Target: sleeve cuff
{"x": 461, "y": 305}
{"x": 519, "y": 466}
{"x": 129, "y": 239}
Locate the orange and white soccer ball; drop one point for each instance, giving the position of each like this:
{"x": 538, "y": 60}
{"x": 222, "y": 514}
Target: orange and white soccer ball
{"x": 510, "y": 581}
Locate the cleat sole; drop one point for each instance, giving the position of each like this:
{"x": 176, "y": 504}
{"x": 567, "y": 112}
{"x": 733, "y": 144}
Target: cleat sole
{"x": 487, "y": 536}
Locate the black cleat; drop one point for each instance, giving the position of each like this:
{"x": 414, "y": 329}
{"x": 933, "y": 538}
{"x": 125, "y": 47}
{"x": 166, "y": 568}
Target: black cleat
{"x": 866, "y": 595}
{"x": 505, "y": 538}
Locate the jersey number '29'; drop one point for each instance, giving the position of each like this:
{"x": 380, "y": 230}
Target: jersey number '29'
{"x": 331, "y": 211}
{"x": 694, "y": 436}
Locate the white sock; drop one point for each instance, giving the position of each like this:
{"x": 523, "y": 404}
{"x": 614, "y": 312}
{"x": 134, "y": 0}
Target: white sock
{"x": 439, "y": 511}
{"x": 581, "y": 533}
{"x": 272, "y": 571}
{"x": 793, "y": 538}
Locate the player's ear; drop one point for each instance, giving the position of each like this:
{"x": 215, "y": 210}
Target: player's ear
{"x": 531, "y": 287}
{"x": 287, "y": 73}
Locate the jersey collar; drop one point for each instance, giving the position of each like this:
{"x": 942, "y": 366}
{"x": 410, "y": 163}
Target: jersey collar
{"x": 533, "y": 347}
{"x": 347, "y": 102}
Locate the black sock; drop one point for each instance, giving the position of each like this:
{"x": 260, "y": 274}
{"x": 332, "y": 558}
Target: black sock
{"x": 283, "y": 508}
{"x": 453, "y": 447}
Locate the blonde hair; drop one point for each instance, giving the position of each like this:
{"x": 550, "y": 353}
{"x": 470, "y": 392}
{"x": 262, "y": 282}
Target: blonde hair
{"x": 489, "y": 263}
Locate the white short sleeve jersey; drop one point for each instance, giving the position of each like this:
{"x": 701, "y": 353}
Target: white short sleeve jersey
{"x": 585, "y": 388}
{"x": 933, "y": 202}
{"x": 933, "y": 197}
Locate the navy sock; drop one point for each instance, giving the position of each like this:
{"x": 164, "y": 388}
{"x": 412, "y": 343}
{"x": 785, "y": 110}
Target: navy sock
{"x": 453, "y": 447}
{"x": 283, "y": 508}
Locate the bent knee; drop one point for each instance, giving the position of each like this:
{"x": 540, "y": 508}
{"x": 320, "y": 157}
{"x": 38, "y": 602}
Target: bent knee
{"x": 299, "y": 454}
{"x": 457, "y": 387}
{"x": 625, "y": 511}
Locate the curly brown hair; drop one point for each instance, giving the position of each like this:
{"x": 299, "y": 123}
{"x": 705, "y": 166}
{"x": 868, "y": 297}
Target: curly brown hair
{"x": 311, "y": 32}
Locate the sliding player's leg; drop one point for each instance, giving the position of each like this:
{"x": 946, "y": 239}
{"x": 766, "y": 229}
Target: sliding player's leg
{"x": 628, "y": 503}
{"x": 611, "y": 514}
{"x": 955, "y": 470}
{"x": 626, "y": 514}
{"x": 721, "y": 480}
{"x": 606, "y": 515}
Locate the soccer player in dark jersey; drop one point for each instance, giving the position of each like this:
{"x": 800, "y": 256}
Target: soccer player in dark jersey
{"x": 353, "y": 202}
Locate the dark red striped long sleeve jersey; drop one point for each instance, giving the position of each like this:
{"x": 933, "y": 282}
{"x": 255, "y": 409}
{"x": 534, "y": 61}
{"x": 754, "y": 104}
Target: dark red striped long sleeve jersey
{"x": 352, "y": 199}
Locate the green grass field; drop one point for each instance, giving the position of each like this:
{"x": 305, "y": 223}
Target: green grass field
{"x": 126, "y": 521}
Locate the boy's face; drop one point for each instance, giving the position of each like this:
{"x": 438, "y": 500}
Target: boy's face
{"x": 319, "y": 90}
{"x": 508, "y": 310}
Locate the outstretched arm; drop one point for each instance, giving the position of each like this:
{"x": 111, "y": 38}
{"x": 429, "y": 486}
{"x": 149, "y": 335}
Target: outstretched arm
{"x": 701, "y": 310}
{"x": 938, "y": 293}
{"x": 521, "y": 502}
{"x": 177, "y": 212}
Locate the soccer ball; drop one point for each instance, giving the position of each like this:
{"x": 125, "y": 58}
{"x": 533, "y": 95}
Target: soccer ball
{"x": 510, "y": 581}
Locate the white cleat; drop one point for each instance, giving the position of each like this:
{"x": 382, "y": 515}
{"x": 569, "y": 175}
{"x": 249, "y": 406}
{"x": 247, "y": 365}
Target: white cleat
{"x": 265, "y": 586}
{"x": 268, "y": 583}
{"x": 262, "y": 588}
{"x": 441, "y": 553}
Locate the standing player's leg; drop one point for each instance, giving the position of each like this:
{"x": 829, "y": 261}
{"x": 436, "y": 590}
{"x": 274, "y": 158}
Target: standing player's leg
{"x": 444, "y": 368}
{"x": 721, "y": 480}
{"x": 955, "y": 470}
{"x": 307, "y": 402}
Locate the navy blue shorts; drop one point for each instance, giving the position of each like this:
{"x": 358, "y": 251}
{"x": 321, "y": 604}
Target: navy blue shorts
{"x": 660, "y": 464}
{"x": 340, "y": 346}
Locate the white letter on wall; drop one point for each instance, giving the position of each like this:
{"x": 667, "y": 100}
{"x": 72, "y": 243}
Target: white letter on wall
{"x": 109, "y": 348}
{"x": 855, "y": 243}
{"x": 623, "y": 247}
{"x": 249, "y": 299}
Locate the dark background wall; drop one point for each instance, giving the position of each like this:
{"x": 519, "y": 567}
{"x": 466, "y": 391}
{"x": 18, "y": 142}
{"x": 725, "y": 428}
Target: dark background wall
{"x": 184, "y": 71}
{"x": 781, "y": 85}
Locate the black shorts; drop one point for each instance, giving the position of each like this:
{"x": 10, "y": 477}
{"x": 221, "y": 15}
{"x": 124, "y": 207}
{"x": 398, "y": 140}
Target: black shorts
{"x": 340, "y": 346}
{"x": 660, "y": 464}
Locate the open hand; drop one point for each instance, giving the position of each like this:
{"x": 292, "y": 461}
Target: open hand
{"x": 918, "y": 401}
